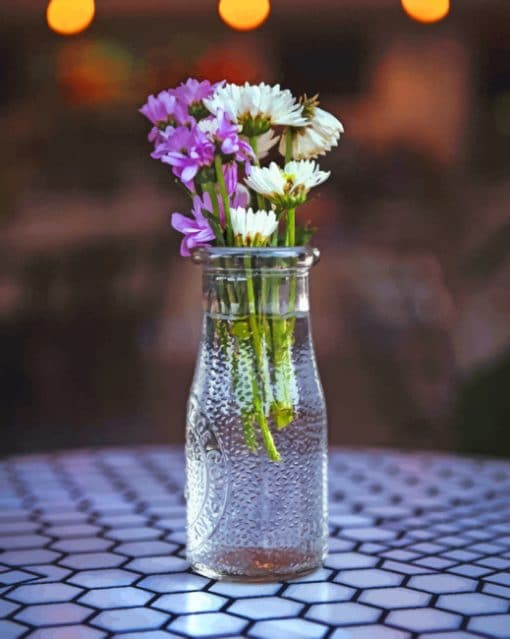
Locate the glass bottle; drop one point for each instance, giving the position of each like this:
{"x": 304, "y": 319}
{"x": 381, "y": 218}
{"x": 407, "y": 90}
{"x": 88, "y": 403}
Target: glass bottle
{"x": 256, "y": 434}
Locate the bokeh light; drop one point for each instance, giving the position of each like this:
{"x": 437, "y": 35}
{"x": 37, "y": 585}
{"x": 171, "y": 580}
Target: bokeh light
{"x": 94, "y": 73}
{"x": 68, "y": 17}
{"x": 244, "y": 15}
{"x": 426, "y": 10}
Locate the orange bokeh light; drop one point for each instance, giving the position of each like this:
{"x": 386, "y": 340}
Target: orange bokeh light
{"x": 244, "y": 15}
{"x": 68, "y": 17}
{"x": 426, "y": 10}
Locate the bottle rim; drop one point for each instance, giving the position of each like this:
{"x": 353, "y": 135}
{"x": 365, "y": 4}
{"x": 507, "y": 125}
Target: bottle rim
{"x": 270, "y": 257}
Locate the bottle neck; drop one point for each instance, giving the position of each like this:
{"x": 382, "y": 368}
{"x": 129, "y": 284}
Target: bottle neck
{"x": 271, "y": 292}
{"x": 256, "y": 282}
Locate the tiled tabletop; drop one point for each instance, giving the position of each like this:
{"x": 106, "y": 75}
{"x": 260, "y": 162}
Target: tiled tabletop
{"x": 92, "y": 546}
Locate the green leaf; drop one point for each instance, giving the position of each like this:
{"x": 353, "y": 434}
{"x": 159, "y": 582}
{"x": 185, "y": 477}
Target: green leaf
{"x": 282, "y": 415}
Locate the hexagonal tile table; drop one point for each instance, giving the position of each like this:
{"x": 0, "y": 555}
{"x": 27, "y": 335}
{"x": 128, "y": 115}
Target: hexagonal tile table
{"x": 92, "y": 546}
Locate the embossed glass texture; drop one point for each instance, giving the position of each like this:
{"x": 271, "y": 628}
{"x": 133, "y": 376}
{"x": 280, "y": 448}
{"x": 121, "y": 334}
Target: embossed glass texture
{"x": 248, "y": 517}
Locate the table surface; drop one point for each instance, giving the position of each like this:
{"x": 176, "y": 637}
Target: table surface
{"x": 92, "y": 546}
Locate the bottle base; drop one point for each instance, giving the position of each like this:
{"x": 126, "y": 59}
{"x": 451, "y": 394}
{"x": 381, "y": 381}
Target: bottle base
{"x": 258, "y": 565}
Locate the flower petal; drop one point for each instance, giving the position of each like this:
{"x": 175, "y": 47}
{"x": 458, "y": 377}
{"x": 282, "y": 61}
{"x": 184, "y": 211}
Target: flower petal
{"x": 183, "y": 224}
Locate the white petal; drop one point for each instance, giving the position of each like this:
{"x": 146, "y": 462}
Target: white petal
{"x": 266, "y": 180}
{"x": 306, "y": 173}
{"x": 273, "y": 103}
{"x": 247, "y": 224}
{"x": 307, "y": 143}
{"x": 265, "y": 143}
{"x": 326, "y": 124}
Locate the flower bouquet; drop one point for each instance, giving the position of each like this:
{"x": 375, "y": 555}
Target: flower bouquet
{"x": 215, "y": 138}
{"x": 256, "y": 397}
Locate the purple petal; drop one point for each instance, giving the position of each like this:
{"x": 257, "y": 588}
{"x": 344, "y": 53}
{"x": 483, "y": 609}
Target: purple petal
{"x": 230, "y": 174}
{"x": 189, "y": 172}
{"x": 241, "y": 197}
{"x": 206, "y": 203}
{"x": 229, "y": 146}
{"x": 184, "y": 247}
{"x": 183, "y": 224}
{"x": 246, "y": 149}
{"x": 189, "y": 185}
{"x": 200, "y": 203}
{"x": 205, "y": 235}
{"x": 174, "y": 159}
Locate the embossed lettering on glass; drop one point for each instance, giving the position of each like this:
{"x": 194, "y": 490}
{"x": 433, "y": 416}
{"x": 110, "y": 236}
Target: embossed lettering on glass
{"x": 256, "y": 436}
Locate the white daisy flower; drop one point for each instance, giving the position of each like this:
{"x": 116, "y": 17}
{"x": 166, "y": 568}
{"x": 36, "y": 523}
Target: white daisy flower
{"x": 306, "y": 144}
{"x": 252, "y": 228}
{"x": 325, "y": 124}
{"x": 317, "y": 138}
{"x": 305, "y": 173}
{"x": 267, "y": 180}
{"x": 287, "y": 187}
{"x": 257, "y": 107}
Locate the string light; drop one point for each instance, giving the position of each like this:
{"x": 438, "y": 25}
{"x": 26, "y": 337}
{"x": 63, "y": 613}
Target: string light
{"x": 244, "y": 15}
{"x": 426, "y": 10}
{"x": 68, "y": 17}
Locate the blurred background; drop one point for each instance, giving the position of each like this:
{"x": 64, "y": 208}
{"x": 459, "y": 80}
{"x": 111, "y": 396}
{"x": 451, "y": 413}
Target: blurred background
{"x": 100, "y": 317}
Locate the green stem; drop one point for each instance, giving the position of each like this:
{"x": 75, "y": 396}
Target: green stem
{"x": 274, "y": 238}
{"x": 224, "y": 197}
{"x": 262, "y": 366}
{"x": 263, "y": 298}
{"x": 282, "y": 408}
{"x": 241, "y": 362}
{"x": 214, "y": 217}
{"x": 283, "y": 334}
{"x": 290, "y": 237}
{"x": 253, "y": 143}
{"x": 230, "y": 297}
{"x": 252, "y": 310}
{"x": 272, "y": 451}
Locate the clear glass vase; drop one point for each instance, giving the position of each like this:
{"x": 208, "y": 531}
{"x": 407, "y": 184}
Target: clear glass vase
{"x": 256, "y": 436}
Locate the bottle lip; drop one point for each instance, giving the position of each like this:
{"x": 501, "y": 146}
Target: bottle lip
{"x": 228, "y": 257}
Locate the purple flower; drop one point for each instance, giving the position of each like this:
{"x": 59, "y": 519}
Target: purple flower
{"x": 164, "y": 109}
{"x": 159, "y": 136}
{"x": 186, "y": 150}
{"x": 225, "y": 134}
{"x": 178, "y": 139}
{"x": 193, "y": 92}
{"x": 240, "y": 197}
{"x": 231, "y": 142}
{"x": 196, "y": 230}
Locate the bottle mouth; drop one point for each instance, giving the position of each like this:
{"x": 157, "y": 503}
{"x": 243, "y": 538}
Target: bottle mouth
{"x": 240, "y": 258}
